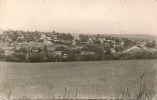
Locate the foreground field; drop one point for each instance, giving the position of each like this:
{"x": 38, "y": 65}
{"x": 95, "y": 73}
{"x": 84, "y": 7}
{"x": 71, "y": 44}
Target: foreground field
{"x": 101, "y": 79}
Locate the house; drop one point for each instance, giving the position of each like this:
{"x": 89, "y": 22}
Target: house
{"x": 54, "y": 37}
{"x": 73, "y": 42}
{"x": 113, "y": 45}
{"x": 57, "y": 53}
{"x": 50, "y": 49}
{"x": 66, "y": 42}
{"x": 107, "y": 45}
{"x": 89, "y": 41}
{"x": 20, "y": 36}
{"x": 47, "y": 41}
{"x": 59, "y": 41}
{"x": 76, "y": 37}
{"x": 8, "y": 50}
{"x": 92, "y": 37}
{"x": 8, "y": 39}
{"x": 43, "y": 36}
{"x": 32, "y": 46}
{"x": 113, "y": 42}
{"x": 65, "y": 56}
{"x": 84, "y": 42}
{"x": 17, "y": 47}
{"x": 79, "y": 48}
{"x": 113, "y": 50}
{"x": 122, "y": 43}
{"x": 110, "y": 41}
{"x": 87, "y": 53}
{"x": 101, "y": 39}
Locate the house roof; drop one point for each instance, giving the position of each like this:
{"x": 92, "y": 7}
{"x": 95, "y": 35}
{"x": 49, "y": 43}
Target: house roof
{"x": 112, "y": 49}
{"x": 50, "y": 48}
{"x": 48, "y": 38}
{"x": 57, "y": 52}
{"x": 43, "y": 36}
{"x": 87, "y": 53}
{"x": 7, "y": 48}
{"x": 36, "y": 44}
{"x": 79, "y": 47}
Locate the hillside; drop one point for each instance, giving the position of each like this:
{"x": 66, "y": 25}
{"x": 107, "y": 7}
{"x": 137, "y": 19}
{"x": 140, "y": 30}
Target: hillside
{"x": 135, "y": 36}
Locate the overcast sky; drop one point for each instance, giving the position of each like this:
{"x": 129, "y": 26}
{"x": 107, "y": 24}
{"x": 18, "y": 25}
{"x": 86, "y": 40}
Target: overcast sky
{"x": 81, "y": 16}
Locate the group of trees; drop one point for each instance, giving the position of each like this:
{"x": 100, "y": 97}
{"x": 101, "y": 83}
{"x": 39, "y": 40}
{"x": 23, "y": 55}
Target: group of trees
{"x": 28, "y": 35}
{"x": 44, "y": 55}
{"x": 64, "y": 36}
{"x": 138, "y": 55}
{"x": 151, "y": 44}
{"x": 34, "y": 35}
{"x": 101, "y": 51}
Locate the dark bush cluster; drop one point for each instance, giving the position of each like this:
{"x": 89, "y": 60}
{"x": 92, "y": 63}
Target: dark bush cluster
{"x": 138, "y": 55}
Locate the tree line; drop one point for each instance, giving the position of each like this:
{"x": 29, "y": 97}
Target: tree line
{"x": 44, "y": 55}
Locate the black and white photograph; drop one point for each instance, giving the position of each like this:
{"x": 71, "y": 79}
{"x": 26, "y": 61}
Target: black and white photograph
{"x": 78, "y": 49}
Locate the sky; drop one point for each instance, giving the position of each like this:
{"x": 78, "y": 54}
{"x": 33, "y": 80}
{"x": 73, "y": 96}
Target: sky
{"x": 80, "y": 16}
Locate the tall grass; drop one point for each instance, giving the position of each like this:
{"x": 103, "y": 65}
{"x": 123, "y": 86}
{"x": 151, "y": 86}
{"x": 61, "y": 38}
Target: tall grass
{"x": 95, "y": 82}
{"x": 124, "y": 93}
{"x": 48, "y": 91}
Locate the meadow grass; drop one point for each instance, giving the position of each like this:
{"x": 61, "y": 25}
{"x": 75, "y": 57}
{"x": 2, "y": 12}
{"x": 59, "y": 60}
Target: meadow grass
{"x": 121, "y": 79}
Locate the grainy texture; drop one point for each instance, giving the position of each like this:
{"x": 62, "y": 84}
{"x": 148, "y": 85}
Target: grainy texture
{"x": 64, "y": 80}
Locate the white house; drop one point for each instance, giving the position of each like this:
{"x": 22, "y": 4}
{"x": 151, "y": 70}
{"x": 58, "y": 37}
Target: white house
{"x": 20, "y": 36}
{"x": 57, "y": 53}
{"x": 113, "y": 50}
{"x": 101, "y": 39}
{"x": 43, "y": 36}
{"x": 8, "y": 50}
{"x": 47, "y": 41}
{"x": 73, "y": 42}
{"x": 87, "y": 53}
{"x": 76, "y": 37}
{"x": 89, "y": 41}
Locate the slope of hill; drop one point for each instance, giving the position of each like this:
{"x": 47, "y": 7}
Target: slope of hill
{"x": 135, "y": 36}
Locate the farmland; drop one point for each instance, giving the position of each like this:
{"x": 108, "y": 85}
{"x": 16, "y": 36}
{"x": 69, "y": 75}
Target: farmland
{"x": 64, "y": 80}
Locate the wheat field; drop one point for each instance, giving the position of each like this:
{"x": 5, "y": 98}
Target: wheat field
{"x": 129, "y": 79}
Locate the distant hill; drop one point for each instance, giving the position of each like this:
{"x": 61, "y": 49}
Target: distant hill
{"x": 135, "y": 36}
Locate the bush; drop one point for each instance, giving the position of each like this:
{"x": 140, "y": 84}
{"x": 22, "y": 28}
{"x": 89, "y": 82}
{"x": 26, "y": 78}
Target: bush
{"x": 110, "y": 57}
{"x": 21, "y": 57}
{"x": 138, "y": 55}
{"x": 2, "y": 57}
{"x": 34, "y": 58}
{"x": 88, "y": 57}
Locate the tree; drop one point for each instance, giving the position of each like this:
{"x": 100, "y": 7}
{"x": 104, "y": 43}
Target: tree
{"x": 39, "y": 50}
{"x": 118, "y": 41}
{"x": 45, "y": 48}
{"x": 128, "y": 43}
{"x": 67, "y": 51}
{"x": 61, "y": 48}
{"x": 21, "y": 50}
{"x": 150, "y": 44}
{"x": 98, "y": 42}
{"x": 83, "y": 38}
{"x": 119, "y": 48}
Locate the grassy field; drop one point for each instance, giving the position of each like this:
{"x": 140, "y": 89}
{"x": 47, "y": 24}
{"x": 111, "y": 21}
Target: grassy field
{"x": 99, "y": 79}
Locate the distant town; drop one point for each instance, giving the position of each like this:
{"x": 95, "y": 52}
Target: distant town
{"x": 36, "y": 46}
